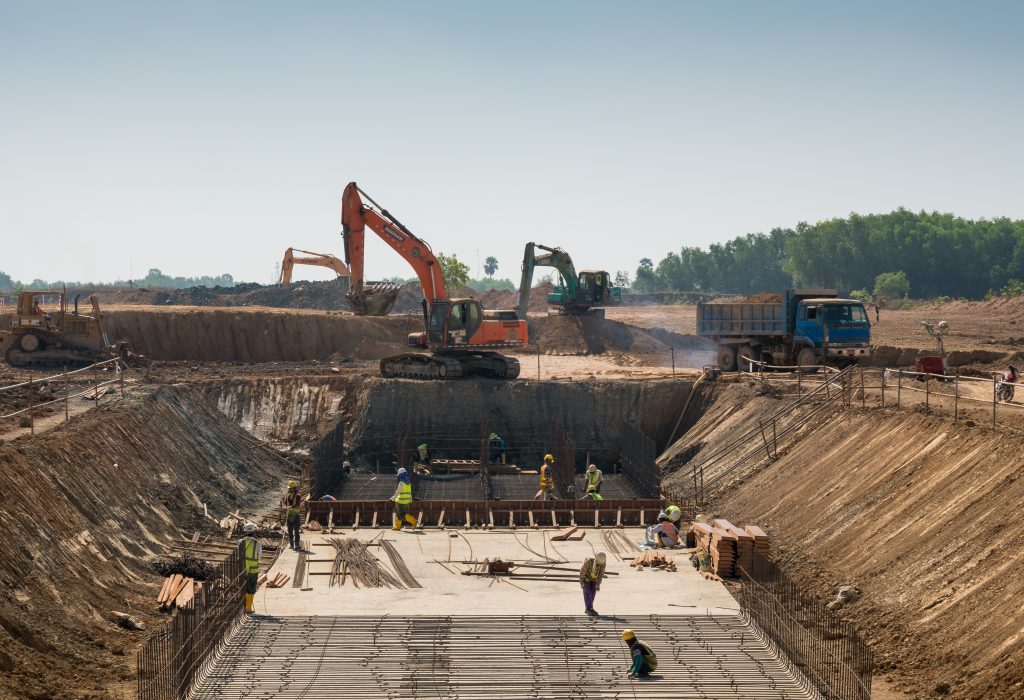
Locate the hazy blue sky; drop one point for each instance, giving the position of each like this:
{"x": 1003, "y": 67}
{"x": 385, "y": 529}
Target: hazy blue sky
{"x": 204, "y": 138}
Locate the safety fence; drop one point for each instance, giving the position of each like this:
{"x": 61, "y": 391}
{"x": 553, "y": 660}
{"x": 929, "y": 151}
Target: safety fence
{"x": 772, "y": 433}
{"x": 175, "y": 656}
{"x": 827, "y": 650}
{"x": 70, "y": 383}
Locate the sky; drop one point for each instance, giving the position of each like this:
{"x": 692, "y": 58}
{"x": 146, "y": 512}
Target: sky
{"x": 204, "y": 138}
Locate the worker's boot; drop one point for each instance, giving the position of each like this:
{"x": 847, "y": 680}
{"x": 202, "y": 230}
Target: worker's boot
{"x": 411, "y": 520}
{"x": 396, "y": 524}
{"x": 248, "y": 603}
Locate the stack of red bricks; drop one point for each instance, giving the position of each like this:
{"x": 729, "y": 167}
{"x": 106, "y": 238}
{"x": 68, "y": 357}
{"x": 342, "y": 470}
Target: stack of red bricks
{"x": 729, "y": 545}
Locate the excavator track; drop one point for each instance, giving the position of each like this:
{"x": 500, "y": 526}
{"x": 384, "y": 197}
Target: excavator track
{"x": 47, "y": 357}
{"x": 445, "y": 366}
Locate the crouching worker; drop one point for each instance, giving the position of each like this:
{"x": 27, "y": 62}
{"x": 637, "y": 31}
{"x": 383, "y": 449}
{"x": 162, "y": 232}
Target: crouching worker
{"x": 591, "y": 575}
{"x": 403, "y": 499}
{"x": 664, "y": 534}
{"x": 643, "y": 659}
{"x": 251, "y": 551}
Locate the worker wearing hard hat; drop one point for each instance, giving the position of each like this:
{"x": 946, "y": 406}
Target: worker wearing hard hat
{"x": 424, "y": 456}
{"x": 293, "y": 516}
{"x": 664, "y": 534}
{"x": 644, "y": 660}
{"x": 547, "y": 479}
{"x": 591, "y": 575}
{"x": 251, "y": 552}
{"x": 594, "y": 478}
{"x": 674, "y": 515}
{"x": 403, "y": 499}
{"x": 497, "y": 449}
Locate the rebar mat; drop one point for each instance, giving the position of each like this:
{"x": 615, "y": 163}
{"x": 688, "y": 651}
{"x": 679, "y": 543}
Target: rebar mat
{"x": 477, "y": 658}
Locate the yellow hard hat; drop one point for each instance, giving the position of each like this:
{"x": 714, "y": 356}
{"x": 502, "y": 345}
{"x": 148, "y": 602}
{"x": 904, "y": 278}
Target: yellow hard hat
{"x": 291, "y": 484}
{"x": 627, "y": 635}
{"x": 549, "y": 458}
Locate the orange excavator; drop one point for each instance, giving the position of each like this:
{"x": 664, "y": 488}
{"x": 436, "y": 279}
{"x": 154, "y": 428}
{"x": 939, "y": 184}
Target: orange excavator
{"x": 462, "y": 337}
{"x": 319, "y": 259}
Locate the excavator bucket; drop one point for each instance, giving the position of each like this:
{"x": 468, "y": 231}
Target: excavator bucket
{"x": 373, "y": 300}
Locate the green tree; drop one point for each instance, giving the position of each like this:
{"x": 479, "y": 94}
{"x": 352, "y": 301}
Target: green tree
{"x": 454, "y": 273}
{"x": 892, "y": 285}
{"x": 490, "y": 265}
{"x": 6, "y": 283}
{"x": 646, "y": 279}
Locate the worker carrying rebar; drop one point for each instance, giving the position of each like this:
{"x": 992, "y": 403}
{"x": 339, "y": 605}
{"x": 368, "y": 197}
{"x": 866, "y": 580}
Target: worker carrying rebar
{"x": 497, "y": 449}
{"x": 403, "y": 499}
{"x": 643, "y": 660}
{"x": 594, "y": 479}
{"x": 664, "y": 534}
{"x": 293, "y": 516}
{"x": 251, "y": 552}
{"x": 591, "y": 575}
{"x": 547, "y": 479}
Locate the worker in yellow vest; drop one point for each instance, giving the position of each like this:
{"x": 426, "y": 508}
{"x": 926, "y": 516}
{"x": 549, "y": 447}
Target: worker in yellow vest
{"x": 643, "y": 659}
{"x": 594, "y": 478}
{"x": 251, "y": 552}
{"x": 293, "y": 516}
{"x": 403, "y": 499}
{"x": 547, "y": 479}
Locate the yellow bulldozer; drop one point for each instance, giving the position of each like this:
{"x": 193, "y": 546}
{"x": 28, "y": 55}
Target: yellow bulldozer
{"x": 43, "y": 332}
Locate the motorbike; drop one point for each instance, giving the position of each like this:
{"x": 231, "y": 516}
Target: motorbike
{"x": 1004, "y": 391}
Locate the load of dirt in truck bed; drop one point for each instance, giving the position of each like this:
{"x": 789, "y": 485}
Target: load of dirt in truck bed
{"x": 919, "y": 513}
{"x": 764, "y": 298}
{"x": 85, "y": 506}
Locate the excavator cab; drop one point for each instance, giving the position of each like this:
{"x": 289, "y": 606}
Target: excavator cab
{"x": 451, "y": 323}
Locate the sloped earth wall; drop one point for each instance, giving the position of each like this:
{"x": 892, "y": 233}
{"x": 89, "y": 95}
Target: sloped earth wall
{"x": 83, "y": 507}
{"x": 923, "y": 515}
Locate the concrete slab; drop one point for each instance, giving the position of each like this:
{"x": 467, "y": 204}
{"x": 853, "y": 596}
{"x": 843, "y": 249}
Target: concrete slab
{"x": 445, "y": 591}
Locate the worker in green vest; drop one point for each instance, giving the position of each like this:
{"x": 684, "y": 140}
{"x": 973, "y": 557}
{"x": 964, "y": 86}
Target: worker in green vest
{"x": 403, "y": 499}
{"x": 293, "y": 505}
{"x": 251, "y": 552}
{"x": 594, "y": 478}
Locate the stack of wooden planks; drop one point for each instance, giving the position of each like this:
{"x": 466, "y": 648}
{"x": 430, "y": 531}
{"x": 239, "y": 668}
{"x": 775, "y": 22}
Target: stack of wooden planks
{"x": 655, "y": 560}
{"x": 176, "y": 591}
{"x": 729, "y": 545}
{"x": 572, "y": 534}
{"x": 277, "y": 581}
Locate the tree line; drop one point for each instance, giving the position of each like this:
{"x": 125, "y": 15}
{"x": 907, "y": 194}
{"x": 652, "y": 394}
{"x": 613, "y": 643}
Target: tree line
{"x": 937, "y": 254}
{"x": 154, "y": 278}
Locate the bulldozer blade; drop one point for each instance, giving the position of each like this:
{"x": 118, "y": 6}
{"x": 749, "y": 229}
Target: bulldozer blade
{"x": 373, "y": 302}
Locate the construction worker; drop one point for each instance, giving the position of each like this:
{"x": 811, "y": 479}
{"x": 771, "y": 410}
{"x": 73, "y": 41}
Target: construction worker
{"x": 594, "y": 478}
{"x": 674, "y": 515}
{"x": 251, "y": 551}
{"x": 664, "y": 534}
{"x": 497, "y": 451}
{"x": 293, "y": 516}
{"x": 403, "y": 498}
{"x": 644, "y": 660}
{"x": 591, "y": 575}
{"x": 424, "y": 456}
{"x": 547, "y": 479}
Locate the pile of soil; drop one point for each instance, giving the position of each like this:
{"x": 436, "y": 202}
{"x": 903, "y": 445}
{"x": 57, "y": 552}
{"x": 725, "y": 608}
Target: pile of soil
{"x": 496, "y": 299}
{"x": 764, "y": 298}
{"x": 590, "y": 335}
{"x": 328, "y": 295}
{"x": 86, "y": 507}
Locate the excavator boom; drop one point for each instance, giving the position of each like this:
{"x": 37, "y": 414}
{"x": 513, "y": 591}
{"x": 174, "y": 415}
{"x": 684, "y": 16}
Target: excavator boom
{"x": 355, "y": 218}
{"x": 318, "y": 259}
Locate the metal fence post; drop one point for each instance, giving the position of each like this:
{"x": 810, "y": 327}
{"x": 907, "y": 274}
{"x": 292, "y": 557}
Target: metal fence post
{"x": 31, "y": 404}
{"x": 899, "y": 387}
{"x": 673, "y": 362}
{"x": 884, "y": 372}
{"x": 994, "y": 401}
{"x": 956, "y": 395}
{"x": 66, "y": 392}
{"x": 927, "y": 390}
{"x": 863, "y": 395}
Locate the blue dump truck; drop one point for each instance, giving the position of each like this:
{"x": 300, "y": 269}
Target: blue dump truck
{"x": 797, "y": 327}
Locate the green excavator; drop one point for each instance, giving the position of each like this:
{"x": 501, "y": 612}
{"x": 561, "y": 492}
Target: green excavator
{"x": 582, "y": 294}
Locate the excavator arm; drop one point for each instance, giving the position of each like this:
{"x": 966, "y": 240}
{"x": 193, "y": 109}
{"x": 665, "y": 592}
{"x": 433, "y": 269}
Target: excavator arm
{"x": 356, "y": 217}
{"x": 556, "y": 258}
{"x": 320, "y": 259}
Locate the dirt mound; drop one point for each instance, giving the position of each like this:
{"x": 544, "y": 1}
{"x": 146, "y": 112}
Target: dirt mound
{"x": 259, "y": 335}
{"x": 590, "y": 335}
{"x": 496, "y": 299}
{"x": 86, "y": 506}
{"x": 764, "y": 298}
{"x": 921, "y": 515}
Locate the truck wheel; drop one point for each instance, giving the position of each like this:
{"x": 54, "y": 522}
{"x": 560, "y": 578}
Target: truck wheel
{"x": 726, "y": 358}
{"x": 745, "y": 365}
{"x": 807, "y": 360}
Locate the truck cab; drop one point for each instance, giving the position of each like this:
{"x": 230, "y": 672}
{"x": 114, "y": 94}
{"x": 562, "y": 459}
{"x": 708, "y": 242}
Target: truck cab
{"x": 831, "y": 326}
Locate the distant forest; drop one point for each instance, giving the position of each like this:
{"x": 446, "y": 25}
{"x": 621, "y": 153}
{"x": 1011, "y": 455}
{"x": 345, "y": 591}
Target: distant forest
{"x": 155, "y": 278}
{"x": 938, "y": 254}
